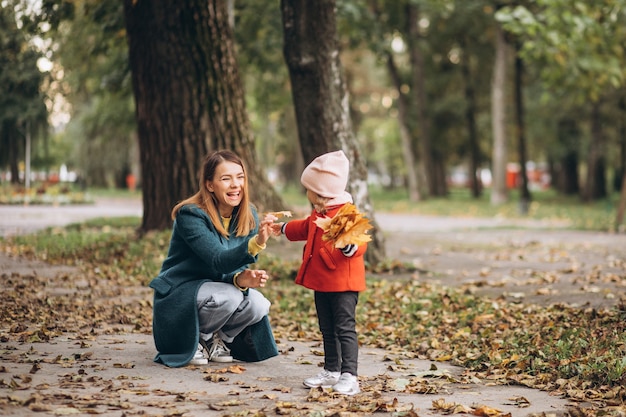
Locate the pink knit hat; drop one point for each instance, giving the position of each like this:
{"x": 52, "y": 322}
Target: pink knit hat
{"x": 327, "y": 175}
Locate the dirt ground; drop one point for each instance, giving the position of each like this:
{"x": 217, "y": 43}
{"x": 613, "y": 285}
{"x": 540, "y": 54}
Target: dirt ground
{"x": 112, "y": 373}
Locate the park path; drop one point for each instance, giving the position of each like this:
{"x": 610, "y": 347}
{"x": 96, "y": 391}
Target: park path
{"x": 441, "y": 247}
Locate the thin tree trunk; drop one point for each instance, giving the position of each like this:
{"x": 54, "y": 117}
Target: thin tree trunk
{"x": 595, "y": 185}
{"x": 470, "y": 117}
{"x": 499, "y": 192}
{"x": 426, "y": 169}
{"x": 321, "y": 99}
{"x": 619, "y": 218}
{"x": 405, "y": 134}
{"x": 13, "y": 146}
{"x": 521, "y": 129}
{"x": 566, "y": 175}
{"x": 189, "y": 101}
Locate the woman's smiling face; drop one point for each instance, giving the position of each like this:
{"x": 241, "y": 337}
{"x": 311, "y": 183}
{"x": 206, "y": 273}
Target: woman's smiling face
{"x": 227, "y": 186}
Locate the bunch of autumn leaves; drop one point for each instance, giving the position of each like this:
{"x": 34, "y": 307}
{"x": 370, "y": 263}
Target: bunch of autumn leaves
{"x": 348, "y": 226}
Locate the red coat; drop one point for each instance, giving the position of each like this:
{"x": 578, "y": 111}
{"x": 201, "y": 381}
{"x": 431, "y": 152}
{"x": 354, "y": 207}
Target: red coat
{"x": 325, "y": 268}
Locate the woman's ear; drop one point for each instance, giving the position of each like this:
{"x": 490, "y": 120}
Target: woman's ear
{"x": 208, "y": 186}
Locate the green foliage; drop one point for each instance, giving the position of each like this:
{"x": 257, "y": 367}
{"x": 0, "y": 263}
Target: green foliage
{"x": 579, "y": 47}
{"x": 22, "y": 108}
{"x": 90, "y": 45}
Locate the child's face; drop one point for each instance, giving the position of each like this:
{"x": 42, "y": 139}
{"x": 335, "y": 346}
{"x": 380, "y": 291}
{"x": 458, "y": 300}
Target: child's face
{"x": 318, "y": 202}
{"x": 313, "y": 198}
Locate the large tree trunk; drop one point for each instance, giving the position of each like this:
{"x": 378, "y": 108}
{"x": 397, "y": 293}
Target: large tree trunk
{"x": 499, "y": 192}
{"x": 405, "y": 133}
{"x": 189, "y": 101}
{"x": 320, "y": 97}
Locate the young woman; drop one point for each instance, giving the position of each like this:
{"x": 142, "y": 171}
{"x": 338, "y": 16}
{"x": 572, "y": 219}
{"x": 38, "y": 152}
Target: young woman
{"x": 205, "y": 292}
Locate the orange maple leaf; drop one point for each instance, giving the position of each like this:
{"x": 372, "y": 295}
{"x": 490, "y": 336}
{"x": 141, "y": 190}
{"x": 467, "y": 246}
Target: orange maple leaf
{"x": 348, "y": 226}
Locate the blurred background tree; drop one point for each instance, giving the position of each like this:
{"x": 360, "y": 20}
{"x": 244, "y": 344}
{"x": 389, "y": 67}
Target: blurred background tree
{"x": 23, "y": 114}
{"x": 420, "y": 76}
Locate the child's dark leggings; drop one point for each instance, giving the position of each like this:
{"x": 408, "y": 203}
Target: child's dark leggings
{"x": 335, "y": 314}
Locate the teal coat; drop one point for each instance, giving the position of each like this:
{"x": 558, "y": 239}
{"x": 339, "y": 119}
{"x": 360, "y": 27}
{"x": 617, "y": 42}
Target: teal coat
{"x": 197, "y": 254}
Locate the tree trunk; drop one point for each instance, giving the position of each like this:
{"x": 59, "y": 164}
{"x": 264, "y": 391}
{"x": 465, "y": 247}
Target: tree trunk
{"x": 189, "y": 101}
{"x": 565, "y": 177}
{"x": 595, "y": 185}
{"x": 499, "y": 192}
{"x": 405, "y": 132}
{"x": 321, "y": 100}
{"x": 521, "y": 136}
{"x": 418, "y": 82}
{"x": 621, "y": 169}
{"x": 619, "y": 218}
{"x": 13, "y": 148}
{"x": 470, "y": 117}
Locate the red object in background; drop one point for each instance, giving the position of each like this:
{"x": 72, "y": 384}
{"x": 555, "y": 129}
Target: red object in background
{"x": 131, "y": 182}
{"x": 512, "y": 175}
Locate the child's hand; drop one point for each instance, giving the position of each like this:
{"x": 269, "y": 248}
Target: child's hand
{"x": 266, "y": 229}
{"x": 277, "y": 228}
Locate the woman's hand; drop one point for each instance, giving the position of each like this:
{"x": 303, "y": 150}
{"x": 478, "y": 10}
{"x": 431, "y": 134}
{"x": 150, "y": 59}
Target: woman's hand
{"x": 266, "y": 229}
{"x": 252, "y": 278}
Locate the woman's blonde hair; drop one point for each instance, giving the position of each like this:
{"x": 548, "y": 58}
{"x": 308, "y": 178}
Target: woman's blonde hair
{"x": 207, "y": 201}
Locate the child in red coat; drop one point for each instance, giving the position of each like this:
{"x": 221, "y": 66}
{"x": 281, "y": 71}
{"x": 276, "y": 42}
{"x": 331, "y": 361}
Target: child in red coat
{"x": 336, "y": 275}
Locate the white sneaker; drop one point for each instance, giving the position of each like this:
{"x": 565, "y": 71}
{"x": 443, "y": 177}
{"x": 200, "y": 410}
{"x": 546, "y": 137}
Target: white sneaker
{"x": 348, "y": 384}
{"x": 218, "y": 352}
{"x": 323, "y": 379}
{"x": 198, "y": 357}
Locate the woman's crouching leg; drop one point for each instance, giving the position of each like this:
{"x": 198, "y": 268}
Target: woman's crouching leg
{"x": 251, "y": 310}
{"x": 217, "y": 303}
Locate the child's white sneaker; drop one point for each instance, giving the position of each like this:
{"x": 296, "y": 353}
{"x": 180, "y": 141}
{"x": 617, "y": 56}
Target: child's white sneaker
{"x": 323, "y": 379}
{"x": 348, "y": 384}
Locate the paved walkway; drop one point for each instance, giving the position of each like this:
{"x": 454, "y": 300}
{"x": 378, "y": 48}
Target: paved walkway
{"x": 113, "y": 375}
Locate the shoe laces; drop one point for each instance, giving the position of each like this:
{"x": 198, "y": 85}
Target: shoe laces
{"x": 218, "y": 348}
{"x": 199, "y": 351}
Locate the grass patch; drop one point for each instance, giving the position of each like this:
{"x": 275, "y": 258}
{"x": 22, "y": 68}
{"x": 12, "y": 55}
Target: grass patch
{"x": 546, "y": 205}
{"x": 43, "y": 194}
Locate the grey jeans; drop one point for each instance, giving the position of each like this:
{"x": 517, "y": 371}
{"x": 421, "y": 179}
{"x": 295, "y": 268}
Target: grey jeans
{"x": 225, "y": 309}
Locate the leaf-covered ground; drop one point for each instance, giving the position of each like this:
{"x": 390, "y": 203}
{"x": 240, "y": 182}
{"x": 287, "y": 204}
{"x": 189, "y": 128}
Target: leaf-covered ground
{"x": 411, "y": 312}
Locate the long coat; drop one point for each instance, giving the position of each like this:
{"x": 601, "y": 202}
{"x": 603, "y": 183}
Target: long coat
{"x": 325, "y": 268}
{"x": 197, "y": 254}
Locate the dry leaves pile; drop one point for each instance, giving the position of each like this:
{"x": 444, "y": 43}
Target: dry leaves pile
{"x": 347, "y": 227}
{"x": 498, "y": 342}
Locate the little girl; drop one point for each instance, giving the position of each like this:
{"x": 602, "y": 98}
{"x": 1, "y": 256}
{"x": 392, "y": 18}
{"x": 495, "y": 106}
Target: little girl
{"x": 336, "y": 275}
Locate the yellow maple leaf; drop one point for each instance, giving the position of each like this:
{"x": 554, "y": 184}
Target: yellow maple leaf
{"x": 348, "y": 226}
{"x": 279, "y": 214}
